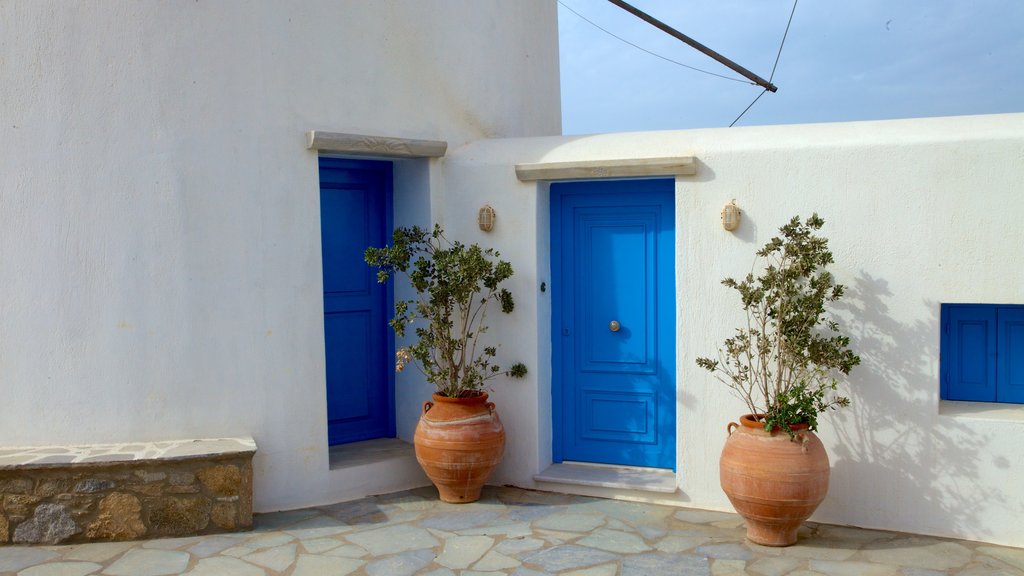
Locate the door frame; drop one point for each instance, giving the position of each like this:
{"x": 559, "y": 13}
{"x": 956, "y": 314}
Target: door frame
{"x": 557, "y": 357}
{"x": 388, "y": 168}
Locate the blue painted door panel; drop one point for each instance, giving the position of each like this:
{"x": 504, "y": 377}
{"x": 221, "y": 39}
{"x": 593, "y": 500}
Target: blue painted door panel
{"x": 1010, "y": 379}
{"x": 355, "y": 199}
{"x": 612, "y": 261}
{"x": 971, "y": 353}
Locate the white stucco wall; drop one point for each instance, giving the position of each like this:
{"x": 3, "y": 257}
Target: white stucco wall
{"x": 918, "y": 212}
{"x": 159, "y": 213}
{"x": 160, "y": 248}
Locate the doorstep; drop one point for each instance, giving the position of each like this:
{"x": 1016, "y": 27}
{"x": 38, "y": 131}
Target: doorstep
{"x": 604, "y": 476}
{"x": 369, "y": 467}
{"x": 370, "y": 452}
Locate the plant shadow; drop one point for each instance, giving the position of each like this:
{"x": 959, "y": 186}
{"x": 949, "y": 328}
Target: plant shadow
{"x": 896, "y": 461}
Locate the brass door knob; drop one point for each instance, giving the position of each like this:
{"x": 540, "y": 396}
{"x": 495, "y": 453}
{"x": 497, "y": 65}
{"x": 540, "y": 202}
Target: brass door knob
{"x": 613, "y": 325}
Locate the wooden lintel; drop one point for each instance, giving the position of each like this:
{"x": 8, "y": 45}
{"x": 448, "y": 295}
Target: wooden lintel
{"x": 364, "y": 145}
{"x": 674, "y": 166}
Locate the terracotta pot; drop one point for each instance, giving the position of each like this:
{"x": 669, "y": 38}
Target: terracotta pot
{"x": 774, "y": 482}
{"x": 458, "y": 443}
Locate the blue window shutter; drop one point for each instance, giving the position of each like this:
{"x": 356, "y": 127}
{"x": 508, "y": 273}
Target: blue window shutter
{"x": 1010, "y": 374}
{"x": 970, "y": 353}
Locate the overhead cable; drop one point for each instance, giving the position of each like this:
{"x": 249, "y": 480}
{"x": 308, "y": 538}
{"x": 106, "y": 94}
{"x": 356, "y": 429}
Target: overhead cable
{"x": 783, "y": 43}
{"x": 748, "y": 107}
{"x": 774, "y": 66}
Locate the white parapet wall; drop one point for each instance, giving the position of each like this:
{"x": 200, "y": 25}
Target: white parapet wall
{"x": 918, "y": 213}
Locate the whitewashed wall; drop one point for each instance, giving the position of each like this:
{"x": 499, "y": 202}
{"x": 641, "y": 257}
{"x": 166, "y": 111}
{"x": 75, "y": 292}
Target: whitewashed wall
{"x": 160, "y": 259}
{"x": 160, "y": 271}
{"x": 919, "y": 212}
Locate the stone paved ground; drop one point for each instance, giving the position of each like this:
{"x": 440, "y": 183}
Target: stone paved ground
{"x": 518, "y": 533}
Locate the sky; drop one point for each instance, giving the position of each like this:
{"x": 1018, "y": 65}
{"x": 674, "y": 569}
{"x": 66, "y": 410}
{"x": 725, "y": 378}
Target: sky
{"x": 842, "y": 60}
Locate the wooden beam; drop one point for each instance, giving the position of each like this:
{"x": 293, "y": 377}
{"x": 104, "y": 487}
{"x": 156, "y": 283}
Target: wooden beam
{"x": 363, "y": 145}
{"x": 767, "y": 85}
{"x": 674, "y": 166}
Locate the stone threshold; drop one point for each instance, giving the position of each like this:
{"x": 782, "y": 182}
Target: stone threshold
{"x": 370, "y": 452}
{"x": 12, "y": 458}
{"x": 603, "y": 476}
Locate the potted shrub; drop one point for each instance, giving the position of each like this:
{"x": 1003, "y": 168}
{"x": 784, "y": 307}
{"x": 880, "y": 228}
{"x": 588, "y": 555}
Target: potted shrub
{"x": 459, "y": 438}
{"x": 782, "y": 364}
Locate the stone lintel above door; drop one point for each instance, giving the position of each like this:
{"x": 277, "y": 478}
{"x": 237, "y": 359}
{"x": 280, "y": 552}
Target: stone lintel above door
{"x": 381, "y": 146}
{"x": 620, "y": 168}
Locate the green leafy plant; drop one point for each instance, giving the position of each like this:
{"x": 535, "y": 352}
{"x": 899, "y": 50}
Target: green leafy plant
{"x": 783, "y": 363}
{"x": 454, "y": 284}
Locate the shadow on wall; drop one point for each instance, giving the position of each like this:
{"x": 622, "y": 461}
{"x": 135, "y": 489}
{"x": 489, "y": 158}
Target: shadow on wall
{"x": 896, "y": 464}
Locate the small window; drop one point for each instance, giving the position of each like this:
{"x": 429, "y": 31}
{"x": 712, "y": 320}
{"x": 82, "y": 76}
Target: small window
{"x": 983, "y": 352}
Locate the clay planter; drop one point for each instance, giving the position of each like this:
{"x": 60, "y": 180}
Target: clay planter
{"x": 773, "y": 482}
{"x": 458, "y": 443}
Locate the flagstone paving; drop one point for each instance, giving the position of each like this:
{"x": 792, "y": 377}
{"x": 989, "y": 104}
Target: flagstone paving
{"x": 513, "y": 532}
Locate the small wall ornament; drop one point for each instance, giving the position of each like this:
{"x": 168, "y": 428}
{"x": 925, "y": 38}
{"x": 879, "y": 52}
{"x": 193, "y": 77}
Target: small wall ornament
{"x": 731, "y": 216}
{"x": 486, "y": 218}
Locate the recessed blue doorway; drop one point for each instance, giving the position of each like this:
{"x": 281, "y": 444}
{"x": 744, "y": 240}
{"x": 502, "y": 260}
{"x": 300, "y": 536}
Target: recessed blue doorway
{"x": 613, "y": 322}
{"x": 355, "y": 212}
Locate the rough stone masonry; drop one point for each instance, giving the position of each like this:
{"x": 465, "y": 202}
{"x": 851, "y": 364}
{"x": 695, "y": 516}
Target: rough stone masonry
{"x": 58, "y": 495}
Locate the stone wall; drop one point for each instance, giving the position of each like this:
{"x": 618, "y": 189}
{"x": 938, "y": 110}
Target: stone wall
{"x": 126, "y": 492}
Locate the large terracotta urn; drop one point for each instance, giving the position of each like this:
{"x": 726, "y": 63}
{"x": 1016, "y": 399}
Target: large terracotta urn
{"x": 773, "y": 481}
{"x": 458, "y": 443}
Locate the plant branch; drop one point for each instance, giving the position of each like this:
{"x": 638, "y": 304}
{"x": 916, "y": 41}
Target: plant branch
{"x": 780, "y": 358}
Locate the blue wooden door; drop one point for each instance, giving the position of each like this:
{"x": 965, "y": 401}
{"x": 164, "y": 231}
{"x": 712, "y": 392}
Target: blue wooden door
{"x": 613, "y": 289}
{"x": 355, "y": 207}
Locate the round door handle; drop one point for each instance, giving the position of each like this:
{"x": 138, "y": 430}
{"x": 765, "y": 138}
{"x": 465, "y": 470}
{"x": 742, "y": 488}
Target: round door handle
{"x": 613, "y": 325}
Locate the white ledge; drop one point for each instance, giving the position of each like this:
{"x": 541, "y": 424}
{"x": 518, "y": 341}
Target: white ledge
{"x": 674, "y": 166}
{"x": 364, "y": 145}
{"x": 627, "y": 478}
{"x": 982, "y": 411}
